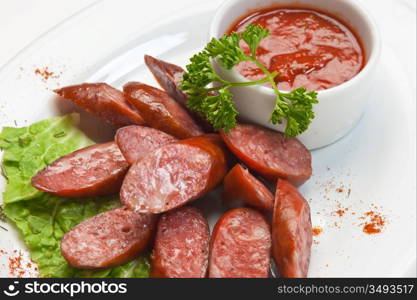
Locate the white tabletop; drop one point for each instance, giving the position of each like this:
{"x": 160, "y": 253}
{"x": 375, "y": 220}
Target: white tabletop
{"x": 22, "y": 21}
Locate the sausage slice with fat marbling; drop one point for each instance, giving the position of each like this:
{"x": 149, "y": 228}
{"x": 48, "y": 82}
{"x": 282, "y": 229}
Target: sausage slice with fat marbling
{"x": 108, "y": 239}
{"x": 174, "y": 175}
{"x": 240, "y": 245}
{"x": 181, "y": 245}
{"x": 135, "y": 142}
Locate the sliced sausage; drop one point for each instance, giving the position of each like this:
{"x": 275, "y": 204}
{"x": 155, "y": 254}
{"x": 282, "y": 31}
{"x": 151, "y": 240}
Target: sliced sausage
{"x": 181, "y": 245}
{"x": 160, "y": 111}
{"x": 104, "y": 101}
{"x": 97, "y": 170}
{"x": 174, "y": 175}
{"x": 135, "y": 142}
{"x": 291, "y": 231}
{"x": 240, "y": 245}
{"x": 241, "y": 186}
{"x": 108, "y": 239}
{"x": 269, "y": 153}
{"x": 169, "y": 77}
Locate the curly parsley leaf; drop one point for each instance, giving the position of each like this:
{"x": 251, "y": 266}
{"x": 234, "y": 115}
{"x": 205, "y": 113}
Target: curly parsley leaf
{"x": 227, "y": 50}
{"x": 297, "y": 108}
{"x": 253, "y": 35}
{"x": 199, "y": 74}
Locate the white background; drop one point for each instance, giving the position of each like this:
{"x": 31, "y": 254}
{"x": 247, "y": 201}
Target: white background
{"x": 22, "y": 21}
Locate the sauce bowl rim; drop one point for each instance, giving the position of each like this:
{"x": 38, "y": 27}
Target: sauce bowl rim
{"x": 362, "y": 12}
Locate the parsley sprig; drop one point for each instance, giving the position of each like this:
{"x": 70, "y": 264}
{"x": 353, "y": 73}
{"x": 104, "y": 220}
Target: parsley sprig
{"x": 209, "y": 94}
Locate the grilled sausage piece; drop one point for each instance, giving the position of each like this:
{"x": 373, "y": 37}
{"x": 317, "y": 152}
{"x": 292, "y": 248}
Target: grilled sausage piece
{"x": 160, "y": 111}
{"x": 241, "y": 186}
{"x": 135, "y": 142}
{"x": 269, "y": 153}
{"x": 169, "y": 77}
{"x": 108, "y": 239}
{"x": 96, "y": 170}
{"x": 291, "y": 231}
{"x": 104, "y": 101}
{"x": 174, "y": 175}
{"x": 181, "y": 245}
{"x": 240, "y": 245}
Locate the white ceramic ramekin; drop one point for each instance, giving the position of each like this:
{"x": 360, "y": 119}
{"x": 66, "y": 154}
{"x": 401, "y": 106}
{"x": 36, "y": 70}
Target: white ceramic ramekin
{"x": 340, "y": 107}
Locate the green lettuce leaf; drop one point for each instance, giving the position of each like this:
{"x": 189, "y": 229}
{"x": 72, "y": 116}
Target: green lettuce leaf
{"x": 43, "y": 219}
{"x": 29, "y": 149}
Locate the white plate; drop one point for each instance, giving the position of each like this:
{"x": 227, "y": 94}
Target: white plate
{"x": 373, "y": 166}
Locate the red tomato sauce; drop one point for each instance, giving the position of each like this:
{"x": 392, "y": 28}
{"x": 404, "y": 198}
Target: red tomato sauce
{"x": 309, "y": 49}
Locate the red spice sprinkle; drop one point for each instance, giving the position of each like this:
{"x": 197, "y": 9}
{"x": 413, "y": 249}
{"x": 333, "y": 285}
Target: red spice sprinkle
{"x": 317, "y": 230}
{"x": 16, "y": 268}
{"x": 375, "y": 223}
{"x": 340, "y": 190}
{"x": 340, "y": 212}
{"x": 45, "y": 73}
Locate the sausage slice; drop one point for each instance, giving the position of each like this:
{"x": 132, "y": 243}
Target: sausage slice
{"x": 135, "y": 142}
{"x": 108, "y": 239}
{"x": 160, "y": 111}
{"x": 174, "y": 175}
{"x": 291, "y": 231}
{"x": 269, "y": 153}
{"x": 104, "y": 101}
{"x": 169, "y": 77}
{"x": 240, "y": 245}
{"x": 181, "y": 245}
{"x": 241, "y": 186}
{"x": 96, "y": 170}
